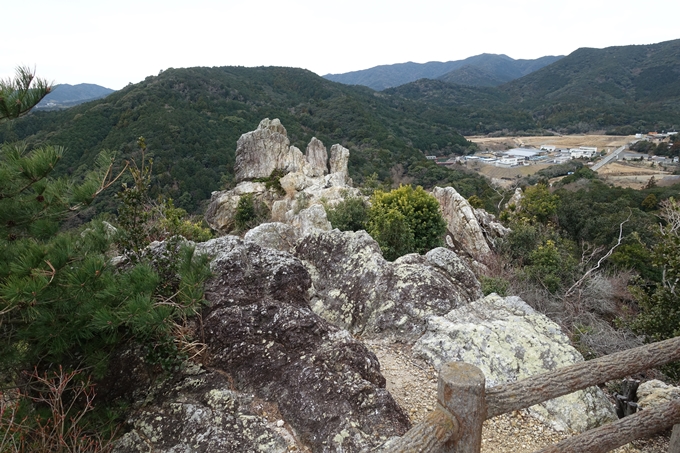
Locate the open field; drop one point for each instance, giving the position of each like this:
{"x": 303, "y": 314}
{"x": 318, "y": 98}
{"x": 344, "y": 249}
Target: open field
{"x": 493, "y": 172}
{"x": 635, "y": 175}
{"x": 560, "y": 141}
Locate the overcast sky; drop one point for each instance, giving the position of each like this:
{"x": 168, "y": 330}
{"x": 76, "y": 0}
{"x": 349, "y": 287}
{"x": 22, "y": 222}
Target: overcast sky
{"x": 113, "y": 43}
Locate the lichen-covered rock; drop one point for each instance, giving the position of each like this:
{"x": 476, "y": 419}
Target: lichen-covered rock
{"x": 462, "y": 222}
{"x": 260, "y": 152}
{"x": 222, "y": 209}
{"x": 273, "y": 235}
{"x": 259, "y": 328}
{"x": 654, "y": 393}
{"x": 509, "y": 341}
{"x": 355, "y": 288}
{"x": 491, "y": 228}
{"x": 199, "y": 412}
{"x": 317, "y": 158}
{"x": 339, "y": 176}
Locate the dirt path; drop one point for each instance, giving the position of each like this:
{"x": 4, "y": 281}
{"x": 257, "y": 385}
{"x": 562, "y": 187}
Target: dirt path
{"x": 413, "y": 384}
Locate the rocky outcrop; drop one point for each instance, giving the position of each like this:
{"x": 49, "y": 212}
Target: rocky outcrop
{"x": 355, "y": 288}
{"x": 515, "y": 200}
{"x": 466, "y": 234}
{"x": 491, "y": 228}
{"x": 304, "y": 177}
{"x": 339, "y": 176}
{"x": 260, "y": 330}
{"x": 199, "y": 411}
{"x": 260, "y": 152}
{"x": 317, "y": 158}
{"x": 510, "y": 341}
{"x": 222, "y": 209}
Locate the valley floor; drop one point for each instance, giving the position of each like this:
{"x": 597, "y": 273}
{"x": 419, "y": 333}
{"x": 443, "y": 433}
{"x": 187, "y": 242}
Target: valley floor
{"x": 413, "y": 383}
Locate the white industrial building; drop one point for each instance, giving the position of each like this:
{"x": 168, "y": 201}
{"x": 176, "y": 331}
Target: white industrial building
{"x": 521, "y": 153}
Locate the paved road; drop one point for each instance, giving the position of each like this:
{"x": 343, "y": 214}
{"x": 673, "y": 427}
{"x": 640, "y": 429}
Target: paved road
{"x": 608, "y": 158}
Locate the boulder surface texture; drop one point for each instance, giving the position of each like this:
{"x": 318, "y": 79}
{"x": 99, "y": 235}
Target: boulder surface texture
{"x": 510, "y": 341}
{"x": 355, "y": 288}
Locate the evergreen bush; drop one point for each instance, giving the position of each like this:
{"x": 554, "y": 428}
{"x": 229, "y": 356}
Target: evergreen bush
{"x": 405, "y": 220}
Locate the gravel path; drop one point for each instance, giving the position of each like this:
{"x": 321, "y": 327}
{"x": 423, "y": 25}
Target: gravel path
{"x": 413, "y": 384}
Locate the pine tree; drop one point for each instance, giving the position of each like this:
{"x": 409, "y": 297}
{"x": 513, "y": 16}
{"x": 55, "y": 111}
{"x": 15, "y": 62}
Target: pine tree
{"x": 20, "y": 94}
{"x": 62, "y": 301}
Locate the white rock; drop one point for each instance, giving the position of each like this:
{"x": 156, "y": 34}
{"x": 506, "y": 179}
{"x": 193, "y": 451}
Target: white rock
{"x": 461, "y": 222}
{"x": 509, "y": 341}
{"x": 317, "y": 158}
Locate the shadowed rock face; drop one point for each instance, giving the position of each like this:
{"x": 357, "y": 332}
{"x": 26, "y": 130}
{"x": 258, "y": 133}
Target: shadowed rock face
{"x": 261, "y": 331}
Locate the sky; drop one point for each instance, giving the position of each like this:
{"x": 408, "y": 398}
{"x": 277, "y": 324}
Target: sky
{"x": 113, "y": 43}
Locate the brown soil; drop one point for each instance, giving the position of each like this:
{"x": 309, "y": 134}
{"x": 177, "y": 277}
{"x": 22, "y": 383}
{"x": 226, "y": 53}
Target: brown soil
{"x": 560, "y": 141}
{"x": 413, "y": 384}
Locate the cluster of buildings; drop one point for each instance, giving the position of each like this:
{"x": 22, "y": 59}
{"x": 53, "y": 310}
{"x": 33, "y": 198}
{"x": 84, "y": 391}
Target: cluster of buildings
{"x": 526, "y": 156}
{"x": 546, "y": 153}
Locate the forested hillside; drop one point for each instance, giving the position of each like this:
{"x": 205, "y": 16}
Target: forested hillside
{"x": 191, "y": 119}
{"x": 479, "y": 70}
{"x": 618, "y": 89}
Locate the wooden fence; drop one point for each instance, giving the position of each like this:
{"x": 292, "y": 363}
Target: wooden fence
{"x": 463, "y": 404}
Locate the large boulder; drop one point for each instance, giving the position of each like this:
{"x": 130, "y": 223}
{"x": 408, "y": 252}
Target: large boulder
{"x": 260, "y": 152}
{"x": 339, "y": 176}
{"x": 355, "y": 288}
{"x": 509, "y": 341}
{"x": 260, "y": 330}
{"x": 462, "y": 223}
{"x": 274, "y": 235}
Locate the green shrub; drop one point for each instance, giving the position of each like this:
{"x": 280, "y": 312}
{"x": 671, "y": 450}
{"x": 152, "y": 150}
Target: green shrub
{"x": 351, "y": 214}
{"x": 496, "y": 285}
{"x": 405, "y": 220}
{"x": 250, "y": 212}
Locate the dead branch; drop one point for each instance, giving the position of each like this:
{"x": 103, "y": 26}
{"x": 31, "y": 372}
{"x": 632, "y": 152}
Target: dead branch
{"x": 580, "y": 281}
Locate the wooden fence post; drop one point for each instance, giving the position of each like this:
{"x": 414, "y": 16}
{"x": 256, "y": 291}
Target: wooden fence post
{"x": 461, "y": 391}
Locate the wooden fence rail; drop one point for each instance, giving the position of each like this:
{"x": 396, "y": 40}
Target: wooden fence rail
{"x": 464, "y": 404}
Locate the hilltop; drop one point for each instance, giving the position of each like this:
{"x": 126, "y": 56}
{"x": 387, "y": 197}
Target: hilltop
{"x": 65, "y": 95}
{"x": 623, "y": 90}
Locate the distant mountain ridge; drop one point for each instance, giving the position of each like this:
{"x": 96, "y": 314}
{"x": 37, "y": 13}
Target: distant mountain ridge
{"x": 65, "y": 95}
{"x": 479, "y": 70}
{"x": 623, "y": 89}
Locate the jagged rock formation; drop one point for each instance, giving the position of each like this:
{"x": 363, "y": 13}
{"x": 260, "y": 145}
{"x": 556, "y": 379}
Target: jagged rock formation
{"x": 516, "y": 199}
{"x": 317, "y": 158}
{"x": 306, "y": 179}
{"x": 355, "y": 288}
{"x": 472, "y": 231}
{"x": 510, "y": 341}
{"x": 261, "y": 331}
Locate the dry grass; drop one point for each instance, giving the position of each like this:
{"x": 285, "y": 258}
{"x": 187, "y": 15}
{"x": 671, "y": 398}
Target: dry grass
{"x": 561, "y": 141}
